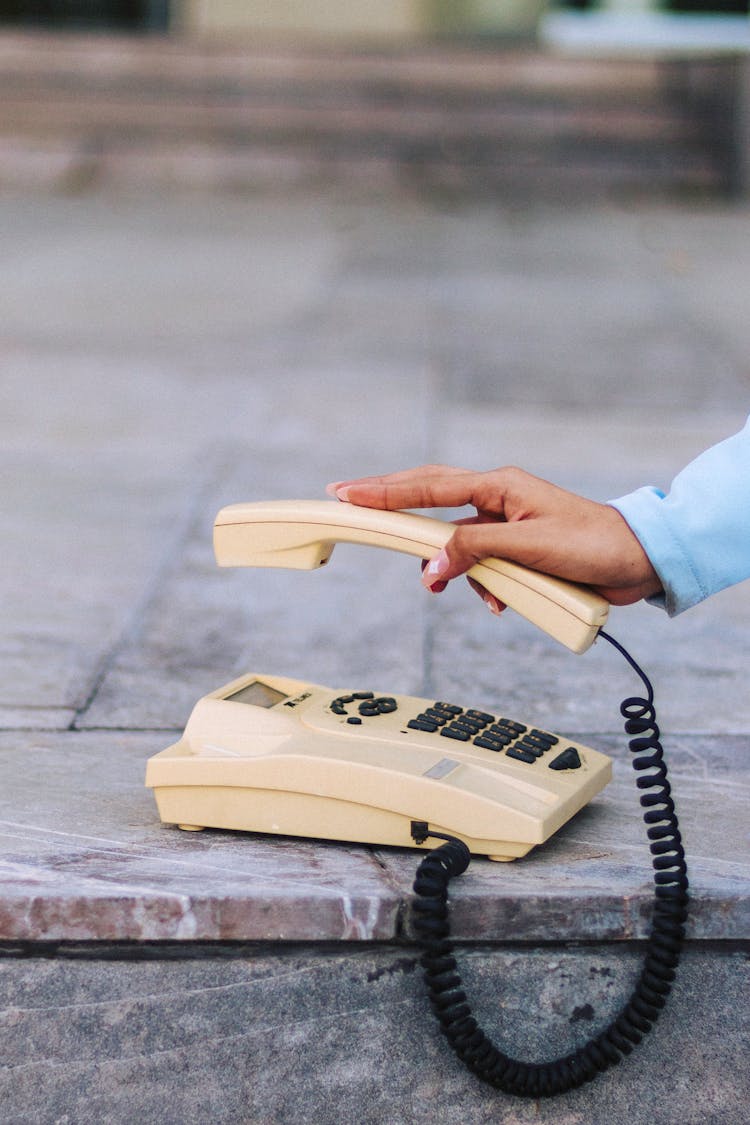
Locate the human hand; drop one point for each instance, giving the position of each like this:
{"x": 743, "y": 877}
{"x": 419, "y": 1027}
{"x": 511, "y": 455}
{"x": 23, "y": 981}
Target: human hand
{"x": 519, "y": 517}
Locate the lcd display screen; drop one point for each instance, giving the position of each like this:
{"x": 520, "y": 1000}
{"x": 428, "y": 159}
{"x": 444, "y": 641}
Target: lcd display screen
{"x": 258, "y": 694}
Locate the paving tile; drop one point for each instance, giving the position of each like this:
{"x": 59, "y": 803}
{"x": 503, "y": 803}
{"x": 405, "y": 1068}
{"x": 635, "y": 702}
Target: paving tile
{"x": 357, "y": 622}
{"x": 36, "y": 718}
{"x": 346, "y": 1034}
{"x": 167, "y": 357}
{"x": 84, "y": 543}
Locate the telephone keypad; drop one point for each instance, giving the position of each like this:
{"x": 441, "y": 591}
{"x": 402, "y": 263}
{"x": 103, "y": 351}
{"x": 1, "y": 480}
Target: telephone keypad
{"x": 485, "y": 731}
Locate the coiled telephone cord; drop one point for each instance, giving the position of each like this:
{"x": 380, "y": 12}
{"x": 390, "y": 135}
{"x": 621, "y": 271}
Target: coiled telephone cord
{"x": 431, "y": 923}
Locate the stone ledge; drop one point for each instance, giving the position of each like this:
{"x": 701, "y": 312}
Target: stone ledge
{"x": 84, "y": 858}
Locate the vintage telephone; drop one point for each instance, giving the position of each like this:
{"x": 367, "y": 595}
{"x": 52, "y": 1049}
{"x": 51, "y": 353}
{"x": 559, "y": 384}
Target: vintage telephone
{"x": 269, "y": 754}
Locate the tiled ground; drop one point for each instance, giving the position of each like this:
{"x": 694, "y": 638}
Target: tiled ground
{"x": 163, "y": 357}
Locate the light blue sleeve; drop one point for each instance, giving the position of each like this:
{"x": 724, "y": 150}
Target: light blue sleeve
{"x": 698, "y": 535}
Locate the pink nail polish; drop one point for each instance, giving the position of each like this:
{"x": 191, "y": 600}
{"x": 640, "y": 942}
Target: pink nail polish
{"x": 434, "y": 569}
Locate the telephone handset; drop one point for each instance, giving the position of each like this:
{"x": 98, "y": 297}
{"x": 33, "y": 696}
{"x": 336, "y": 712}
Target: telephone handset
{"x": 301, "y": 535}
{"x": 275, "y": 755}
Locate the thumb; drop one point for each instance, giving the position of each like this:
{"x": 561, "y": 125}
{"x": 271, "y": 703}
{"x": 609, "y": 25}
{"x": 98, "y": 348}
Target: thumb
{"x": 472, "y": 541}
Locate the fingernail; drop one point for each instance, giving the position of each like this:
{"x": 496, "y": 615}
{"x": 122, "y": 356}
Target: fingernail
{"x": 337, "y": 490}
{"x": 492, "y": 604}
{"x": 435, "y": 568}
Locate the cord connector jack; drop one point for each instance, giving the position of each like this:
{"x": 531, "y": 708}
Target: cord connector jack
{"x": 420, "y": 830}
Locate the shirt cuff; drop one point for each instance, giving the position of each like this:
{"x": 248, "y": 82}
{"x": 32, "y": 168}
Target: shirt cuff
{"x": 643, "y": 511}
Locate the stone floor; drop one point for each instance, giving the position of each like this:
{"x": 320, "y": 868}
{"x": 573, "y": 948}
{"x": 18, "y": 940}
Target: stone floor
{"x": 165, "y": 355}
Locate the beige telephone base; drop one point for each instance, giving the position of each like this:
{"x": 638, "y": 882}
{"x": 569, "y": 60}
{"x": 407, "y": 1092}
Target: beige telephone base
{"x": 269, "y": 754}
{"x": 301, "y": 534}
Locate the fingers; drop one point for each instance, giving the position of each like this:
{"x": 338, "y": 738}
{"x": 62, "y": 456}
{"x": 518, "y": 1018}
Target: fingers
{"x": 474, "y": 541}
{"x": 445, "y": 486}
{"x": 430, "y": 486}
{"x": 426, "y": 487}
{"x": 493, "y": 604}
{"x": 437, "y": 585}
{"x": 376, "y": 485}
{"x": 521, "y": 518}
{"x": 505, "y": 493}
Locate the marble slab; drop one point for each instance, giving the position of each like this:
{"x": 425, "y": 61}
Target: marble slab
{"x": 85, "y": 858}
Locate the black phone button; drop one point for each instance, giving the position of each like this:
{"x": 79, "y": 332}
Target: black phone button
{"x": 448, "y": 708}
{"x": 570, "y": 759}
{"x": 480, "y": 717}
{"x": 422, "y": 724}
{"x": 487, "y": 743}
{"x": 530, "y": 747}
{"x": 544, "y": 736}
{"x": 520, "y": 755}
{"x": 459, "y": 735}
{"x": 471, "y": 729}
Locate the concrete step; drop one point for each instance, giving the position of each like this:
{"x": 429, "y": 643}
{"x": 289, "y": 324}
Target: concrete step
{"x": 471, "y": 118}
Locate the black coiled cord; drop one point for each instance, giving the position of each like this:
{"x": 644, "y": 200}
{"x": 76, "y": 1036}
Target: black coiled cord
{"x": 663, "y": 948}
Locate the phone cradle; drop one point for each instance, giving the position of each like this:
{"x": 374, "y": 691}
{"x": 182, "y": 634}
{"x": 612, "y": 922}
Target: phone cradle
{"x": 268, "y": 754}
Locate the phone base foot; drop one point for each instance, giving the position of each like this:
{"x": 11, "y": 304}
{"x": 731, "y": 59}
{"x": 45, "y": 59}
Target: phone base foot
{"x": 191, "y": 827}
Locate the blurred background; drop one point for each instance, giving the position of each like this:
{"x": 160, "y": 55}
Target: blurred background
{"x": 493, "y": 96}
